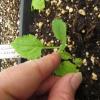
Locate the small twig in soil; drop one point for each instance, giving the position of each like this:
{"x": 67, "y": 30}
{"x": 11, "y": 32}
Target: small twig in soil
{"x": 91, "y": 29}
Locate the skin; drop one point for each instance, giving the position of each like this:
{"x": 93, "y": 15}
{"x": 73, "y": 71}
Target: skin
{"x": 34, "y": 78}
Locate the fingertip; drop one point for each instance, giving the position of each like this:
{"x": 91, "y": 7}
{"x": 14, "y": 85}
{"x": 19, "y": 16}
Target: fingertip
{"x": 52, "y": 59}
{"x": 66, "y": 87}
{"x": 76, "y": 80}
{"x": 56, "y": 57}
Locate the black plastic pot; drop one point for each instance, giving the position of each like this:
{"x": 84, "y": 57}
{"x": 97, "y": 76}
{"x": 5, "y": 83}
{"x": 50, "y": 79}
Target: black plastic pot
{"x": 25, "y": 16}
{"x": 25, "y": 19}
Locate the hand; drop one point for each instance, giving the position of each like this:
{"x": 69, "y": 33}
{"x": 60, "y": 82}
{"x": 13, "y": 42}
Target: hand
{"x": 34, "y": 77}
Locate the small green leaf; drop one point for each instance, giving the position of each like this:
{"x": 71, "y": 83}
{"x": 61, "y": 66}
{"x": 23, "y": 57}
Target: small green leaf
{"x": 28, "y": 46}
{"x": 38, "y": 4}
{"x": 65, "y": 55}
{"x": 65, "y": 67}
{"x": 59, "y": 29}
{"x": 77, "y": 61}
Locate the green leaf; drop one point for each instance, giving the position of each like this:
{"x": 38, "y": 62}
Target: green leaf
{"x": 65, "y": 55}
{"x": 38, "y": 4}
{"x": 28, "y": 46}
{"x": 77, "y": 61}
{"x": 65, "y": 67}
{"x": 59, "y": 29}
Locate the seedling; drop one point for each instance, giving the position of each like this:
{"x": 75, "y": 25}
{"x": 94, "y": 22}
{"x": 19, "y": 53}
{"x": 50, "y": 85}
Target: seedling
{"x": 30, "y": 47}
{"x": 38, "y": 5}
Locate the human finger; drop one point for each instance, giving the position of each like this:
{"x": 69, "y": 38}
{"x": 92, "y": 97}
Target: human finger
{"x": 22, "y": 80}
{"x": 66, "y": 87}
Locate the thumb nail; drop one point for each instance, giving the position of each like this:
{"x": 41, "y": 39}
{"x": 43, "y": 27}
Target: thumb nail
{"x": 76, "y": 80}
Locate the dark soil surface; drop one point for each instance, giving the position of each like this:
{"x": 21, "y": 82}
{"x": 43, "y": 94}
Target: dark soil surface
{"x": 83, "y": 19}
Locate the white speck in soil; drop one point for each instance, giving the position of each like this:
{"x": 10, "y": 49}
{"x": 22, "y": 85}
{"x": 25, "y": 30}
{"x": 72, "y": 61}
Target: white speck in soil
{"x": 70, "y": 46}
{"x": 93, "y": 59}
{"x": 69, "y": 39}
{"x": 98, "y": 43}
{"x": 50, "y": 34}
{"x": 87, "y": 54}
{"x": 89, "y": 69}
{"x": 40, "y": 24}
{"x": 95, "y": 8}
{"x": 48, "y": 12}
{"x": 67, "y": 7}
{"x": 83, "y": 31}
{"x": 98, "y": 15}
{"x": 59, "y": 2}
{"x": 52, "y": 41}
{"x": 91, "y": 14}
{"x": 71, "y": 10}
{"x": 85, "y": 62}
{"x": 82, "y": 12}
{"x": 63, "y": 11}
{"x": 94, "y": 76}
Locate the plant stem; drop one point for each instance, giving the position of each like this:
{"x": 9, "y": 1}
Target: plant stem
{"x": 51, "y": 47}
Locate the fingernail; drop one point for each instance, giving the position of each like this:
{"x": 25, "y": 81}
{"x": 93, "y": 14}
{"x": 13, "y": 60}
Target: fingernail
{"x": 76, "y": 80}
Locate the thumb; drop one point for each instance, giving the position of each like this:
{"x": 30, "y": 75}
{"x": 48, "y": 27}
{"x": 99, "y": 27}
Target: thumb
{"x": 66, "y": 87}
